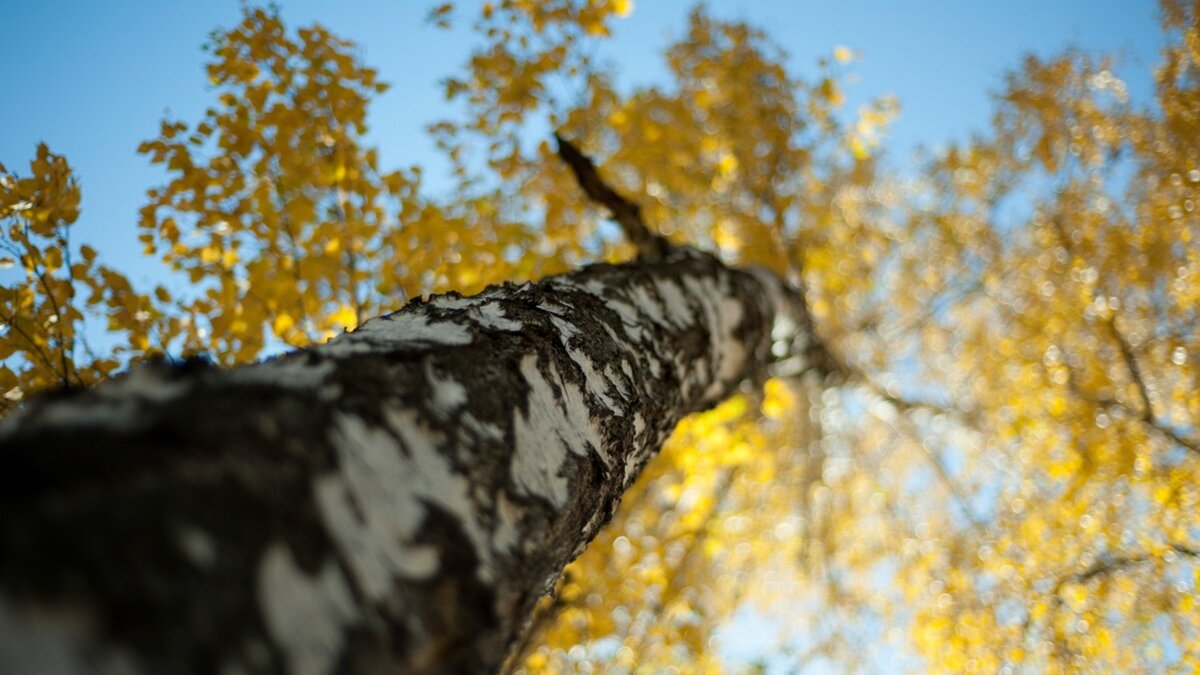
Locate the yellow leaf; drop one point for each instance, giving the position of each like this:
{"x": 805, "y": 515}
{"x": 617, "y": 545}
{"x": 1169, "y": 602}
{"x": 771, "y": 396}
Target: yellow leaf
{"x": 1162, "y": 494}
{"x": 345, "y": 316}
{"x": 829, "y": 90}
{"x": 727, "y": 165}
{"x": 282, "y": 323}
{"x": 778, "y": 398}
{"x": 858, "y": 148}
{"x": 53, "y": 259}
{"x": 726, "y": 238}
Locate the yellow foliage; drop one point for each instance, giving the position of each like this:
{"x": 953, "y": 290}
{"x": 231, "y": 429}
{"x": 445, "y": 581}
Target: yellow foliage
{"x": 1008, "y": 481}
{"x": 1068, "y": 411}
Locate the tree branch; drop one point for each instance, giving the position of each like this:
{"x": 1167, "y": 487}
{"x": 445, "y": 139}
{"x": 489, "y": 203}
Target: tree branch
{"x": 1131, "y": 364}
{"x": 1110, "y": 565}
{"x": 1145, "y": 416}
{"x": 650, "y": 246}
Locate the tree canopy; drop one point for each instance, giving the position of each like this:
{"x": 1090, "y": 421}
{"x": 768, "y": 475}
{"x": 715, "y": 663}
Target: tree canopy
{"x": 1005, "y": 477}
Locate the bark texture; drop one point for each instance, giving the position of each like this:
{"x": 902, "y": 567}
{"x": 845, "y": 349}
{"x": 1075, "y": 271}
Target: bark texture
{"x": 392, "y": 501}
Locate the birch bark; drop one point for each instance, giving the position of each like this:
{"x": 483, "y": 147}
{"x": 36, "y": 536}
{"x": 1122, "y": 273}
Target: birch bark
{"x": 394, "y": 500}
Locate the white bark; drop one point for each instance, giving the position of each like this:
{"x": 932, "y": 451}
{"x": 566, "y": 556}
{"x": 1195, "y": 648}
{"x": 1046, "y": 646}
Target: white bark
{"x": 393, "y": 500}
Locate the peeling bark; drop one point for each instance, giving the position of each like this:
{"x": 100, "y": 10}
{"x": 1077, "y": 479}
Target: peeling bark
{"x": 392, "y": 501}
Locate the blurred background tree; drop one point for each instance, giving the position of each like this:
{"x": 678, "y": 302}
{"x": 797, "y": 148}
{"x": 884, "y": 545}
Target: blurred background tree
{"x": 1006, "y": 482}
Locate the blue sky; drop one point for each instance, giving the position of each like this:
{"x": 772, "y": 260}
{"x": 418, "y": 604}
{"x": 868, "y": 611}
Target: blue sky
{"x": 92, "y": 79}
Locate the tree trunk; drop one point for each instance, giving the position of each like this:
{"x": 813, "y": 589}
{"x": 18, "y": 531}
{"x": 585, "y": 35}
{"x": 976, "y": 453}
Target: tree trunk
{"x": 392, "y": 501}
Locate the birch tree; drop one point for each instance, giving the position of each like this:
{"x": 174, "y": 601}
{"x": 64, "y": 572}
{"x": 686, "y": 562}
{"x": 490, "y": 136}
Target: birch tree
{"x": 394, "y": 499}
{"x": 996, "y": 473}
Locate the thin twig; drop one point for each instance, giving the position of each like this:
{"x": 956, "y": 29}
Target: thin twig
{"x": 957, "y": 494}
{"x": 11, "y": 322}
{"x": 545, "y": 614}
{"x": 1146, "y": 416}
{"x": 40, "y": 273}
{"x": 1108, "y": 565}
{"x": 1135, "y": 370}
{"x": 1135, "y": 373}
